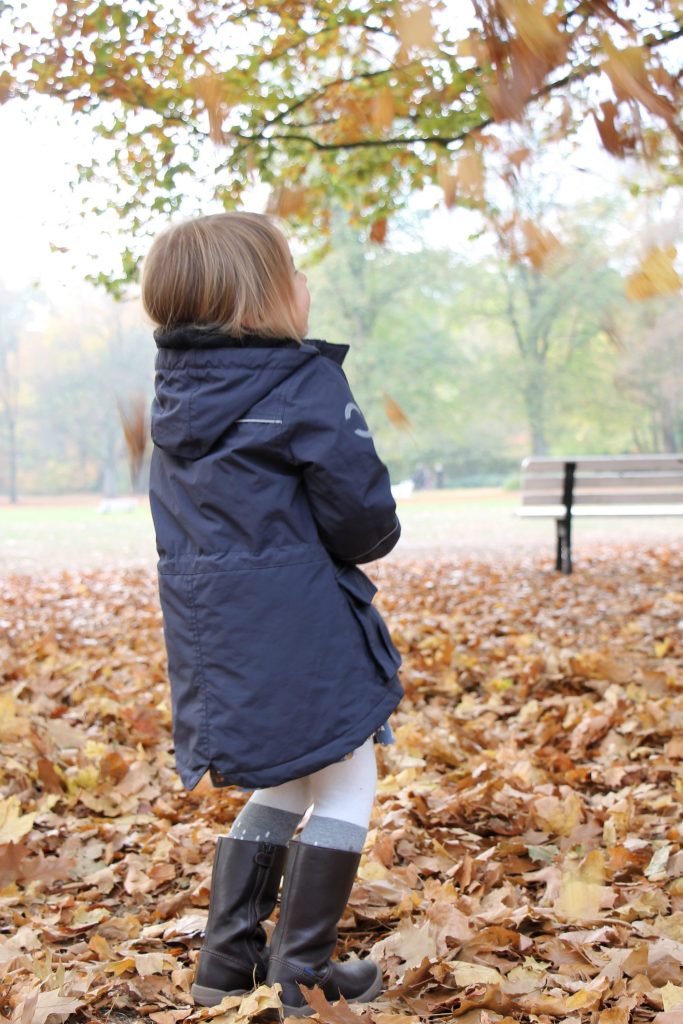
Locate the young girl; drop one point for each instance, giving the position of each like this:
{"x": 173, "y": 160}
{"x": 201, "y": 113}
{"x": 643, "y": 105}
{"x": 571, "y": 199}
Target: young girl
{"x": 266, "y": 490}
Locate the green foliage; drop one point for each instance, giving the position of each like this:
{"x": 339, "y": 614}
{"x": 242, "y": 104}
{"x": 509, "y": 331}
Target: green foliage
{"x": 435, "y": 362}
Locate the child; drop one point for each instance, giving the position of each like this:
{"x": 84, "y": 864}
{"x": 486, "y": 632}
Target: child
{"x": 266, "y": 490}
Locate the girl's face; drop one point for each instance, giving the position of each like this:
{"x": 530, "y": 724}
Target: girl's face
{"x": 302, "y": 301}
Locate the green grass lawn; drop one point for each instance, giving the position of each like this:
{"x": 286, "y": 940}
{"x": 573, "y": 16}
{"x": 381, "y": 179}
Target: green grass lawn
{"x": 73, "y": 533}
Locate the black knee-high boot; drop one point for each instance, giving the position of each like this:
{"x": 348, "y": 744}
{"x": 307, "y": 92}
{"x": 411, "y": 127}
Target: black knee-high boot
{"x": 316, "y": 888}
{"x": 244, "y": 886}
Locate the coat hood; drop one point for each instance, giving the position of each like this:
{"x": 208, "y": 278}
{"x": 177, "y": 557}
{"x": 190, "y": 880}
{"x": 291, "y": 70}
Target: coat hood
{"x": 205, "y": 382}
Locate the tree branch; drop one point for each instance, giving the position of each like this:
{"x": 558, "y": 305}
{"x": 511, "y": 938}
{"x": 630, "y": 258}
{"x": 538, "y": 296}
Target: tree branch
{"x": 575, "y": 75}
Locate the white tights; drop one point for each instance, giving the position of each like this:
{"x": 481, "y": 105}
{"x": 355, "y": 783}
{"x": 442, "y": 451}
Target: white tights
{"x": 345, "y": 791}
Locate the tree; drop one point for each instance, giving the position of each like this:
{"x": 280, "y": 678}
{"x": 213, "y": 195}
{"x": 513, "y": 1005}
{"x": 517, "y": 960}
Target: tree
{"x": 335, "y": 101}
{"x": 652, "y": 353}
{"x": 417, "y": 354}
{"x": 14, "y": 308}
{"x": 556, "y": 301}
{"x": 89, "y": 362}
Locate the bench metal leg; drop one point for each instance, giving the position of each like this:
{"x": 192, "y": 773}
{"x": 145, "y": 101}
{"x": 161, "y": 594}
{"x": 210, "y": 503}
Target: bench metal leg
{"x": 563, "y": 562}
{"x": 564, "y": 525}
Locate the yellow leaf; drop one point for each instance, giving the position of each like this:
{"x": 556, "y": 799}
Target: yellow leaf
{"x": 656, "y": 275}
{"x": 13, "y": 824}
{"x": 672, "y": 996}
{"x": 662, "y": 647}
{"x": 501, "y": 685}
{"x": 592, "y": 868}
{"x": 578, "y": 900}
{"x": 121, "y": 966}
{"x": 585, "y": 999}
{"x": 10, "y": 725}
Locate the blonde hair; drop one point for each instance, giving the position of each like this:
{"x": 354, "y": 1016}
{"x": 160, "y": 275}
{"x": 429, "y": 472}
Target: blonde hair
{"x": 232, "y": 272}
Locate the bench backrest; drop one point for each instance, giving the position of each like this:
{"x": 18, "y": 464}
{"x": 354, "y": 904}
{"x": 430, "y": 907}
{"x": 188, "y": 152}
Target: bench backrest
{"x": 604, "y": 479}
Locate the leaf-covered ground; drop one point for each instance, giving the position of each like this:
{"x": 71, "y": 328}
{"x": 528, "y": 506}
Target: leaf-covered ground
{"x": 525, "y": 860}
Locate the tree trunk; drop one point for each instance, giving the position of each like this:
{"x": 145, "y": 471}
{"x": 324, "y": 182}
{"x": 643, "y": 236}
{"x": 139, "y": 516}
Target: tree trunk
{"x": 110, "y": 459}
{"x": 13, "y": 460}
{"x": 534, "y": 400}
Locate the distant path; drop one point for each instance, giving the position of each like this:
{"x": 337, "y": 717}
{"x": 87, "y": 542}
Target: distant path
{"x": 50, "y": 534}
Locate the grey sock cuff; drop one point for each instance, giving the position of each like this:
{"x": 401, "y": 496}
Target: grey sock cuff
{"x": 260, "y": 823}
{"x": 333, "y": 833}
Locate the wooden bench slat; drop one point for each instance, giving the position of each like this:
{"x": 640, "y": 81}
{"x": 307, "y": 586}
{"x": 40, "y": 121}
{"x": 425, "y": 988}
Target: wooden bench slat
{"x": 609, "y": 463}
{"x": 606, "y": 498}
{"x": 607, "y": 481}
{"x": 594, "y": 511}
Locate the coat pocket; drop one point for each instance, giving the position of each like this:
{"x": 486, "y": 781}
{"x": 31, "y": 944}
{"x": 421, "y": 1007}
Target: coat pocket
{"x": 359, "y": 592}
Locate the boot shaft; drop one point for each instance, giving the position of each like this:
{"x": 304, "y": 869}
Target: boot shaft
{"x": 244, "y": 885}
{"x": 317, "y": 885}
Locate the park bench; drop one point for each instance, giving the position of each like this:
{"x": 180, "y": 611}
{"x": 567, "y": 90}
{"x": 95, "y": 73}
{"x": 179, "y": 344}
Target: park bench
{"x": 599, "y": 485}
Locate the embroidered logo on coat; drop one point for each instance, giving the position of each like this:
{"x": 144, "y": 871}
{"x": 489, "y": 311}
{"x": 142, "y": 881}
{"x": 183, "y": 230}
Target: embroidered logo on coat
{"x": 349, "y": 411}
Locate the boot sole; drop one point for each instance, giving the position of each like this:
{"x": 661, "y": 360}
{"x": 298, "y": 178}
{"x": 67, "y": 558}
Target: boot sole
{"x": 364, "y": 997}
{"x": 204, "y": 996}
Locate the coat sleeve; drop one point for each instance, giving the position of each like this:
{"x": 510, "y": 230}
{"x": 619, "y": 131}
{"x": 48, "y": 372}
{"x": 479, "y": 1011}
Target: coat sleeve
{"x": 346, "y": 482}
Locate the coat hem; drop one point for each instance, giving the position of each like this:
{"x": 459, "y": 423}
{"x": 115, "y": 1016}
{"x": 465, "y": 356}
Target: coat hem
{"x": 313, "y": 761}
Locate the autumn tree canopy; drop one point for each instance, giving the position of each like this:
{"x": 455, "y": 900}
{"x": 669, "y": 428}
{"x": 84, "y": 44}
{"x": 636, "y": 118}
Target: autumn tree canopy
{"x": 361, "y": 104}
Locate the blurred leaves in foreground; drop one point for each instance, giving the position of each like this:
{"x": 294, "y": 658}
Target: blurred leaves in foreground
{"x": 525, "y": 858}
{"x": 328, "y": 102}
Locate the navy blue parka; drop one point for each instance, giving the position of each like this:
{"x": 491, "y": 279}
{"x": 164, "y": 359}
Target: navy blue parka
{"x": 266, "y": 490}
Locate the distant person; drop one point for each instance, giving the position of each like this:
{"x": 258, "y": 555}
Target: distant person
{"x": 266, "y": 490}
{"x": 419, "y": 477}
{"x": 438, "y": 472}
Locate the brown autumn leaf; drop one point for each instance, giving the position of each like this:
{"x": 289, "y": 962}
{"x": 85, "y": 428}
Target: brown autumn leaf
{"x": 447, "y": 179}
{"x": 48, "y": 1007}
{"x": 630, "y": 80}
{"x": 415, "y": 27}
{"x": 394, "y": 412}
{"x": 540, "y": 244}
{"x": 382, "y": 109}
{"x": 617, "y": 141}
{"x": 339, "y": 1013}
{"x": 209, "y": 90}
{"x": 378, "y": 231}
{"x": 287, "y": 201}
{"x": 493, "y": 852}
{"x": 470, "y": 176}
